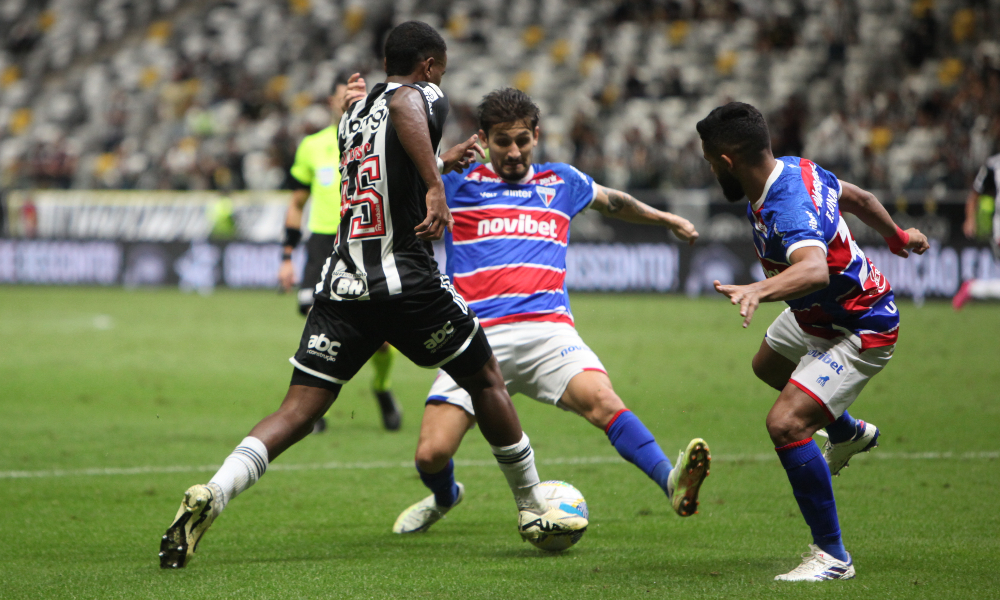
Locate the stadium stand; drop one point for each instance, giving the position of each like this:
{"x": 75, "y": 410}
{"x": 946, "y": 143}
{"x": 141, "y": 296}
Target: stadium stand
{"x": 180, "y": 94}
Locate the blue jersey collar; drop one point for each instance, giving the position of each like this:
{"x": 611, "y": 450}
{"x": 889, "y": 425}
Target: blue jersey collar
{"x": 778, "y": 168}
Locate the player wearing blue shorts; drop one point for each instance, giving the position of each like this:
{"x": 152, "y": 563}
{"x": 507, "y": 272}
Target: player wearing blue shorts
{"x": 507, "y": 257}
{"x": 841, "y": 324}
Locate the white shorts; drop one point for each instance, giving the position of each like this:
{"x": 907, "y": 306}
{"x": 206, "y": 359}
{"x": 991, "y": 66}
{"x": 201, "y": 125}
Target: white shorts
{"x": 537, "y": 359}
{"x": 832, "y": 372}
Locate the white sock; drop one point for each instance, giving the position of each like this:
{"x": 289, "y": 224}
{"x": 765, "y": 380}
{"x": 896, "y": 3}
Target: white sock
{"x": 518, "y": 465}
{"x": 241, "y": 469}
{"x": 985, "y": 289}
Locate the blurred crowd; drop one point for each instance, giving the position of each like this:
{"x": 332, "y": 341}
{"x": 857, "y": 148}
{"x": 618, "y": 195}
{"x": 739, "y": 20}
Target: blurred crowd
{"x": 188, "y": 94}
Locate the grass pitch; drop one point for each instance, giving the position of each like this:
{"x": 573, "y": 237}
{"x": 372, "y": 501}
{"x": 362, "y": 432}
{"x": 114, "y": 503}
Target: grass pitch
{"x": 113, "y": 402}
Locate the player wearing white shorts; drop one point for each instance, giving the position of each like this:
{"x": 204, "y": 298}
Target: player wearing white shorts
{"x": 507, "y": 258}
{"x": 841, "y": 324}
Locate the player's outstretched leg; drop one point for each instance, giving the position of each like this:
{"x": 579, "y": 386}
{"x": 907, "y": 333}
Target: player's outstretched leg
{"x": 202, "y": 504}
{"x": 441, "y": 432}
{"x": 501, "y": 427}
{"x": 848, "y": 436}
{"x": 686, "y": 477}
{"x": 792, "y": 420}
{"x": 197, "y": 513}
{"x": 590, "y": 394}
{"x": 392, "y": 413}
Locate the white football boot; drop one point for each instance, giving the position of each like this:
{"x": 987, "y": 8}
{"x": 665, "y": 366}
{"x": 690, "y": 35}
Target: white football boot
{"x": 819, "y": 566}
{"x": 838, "y": 455}
{"x": 686, "y": 477}
{"x": 423, "y": 514}
{"x": 197, "y": 512}
{"x": 555, "y": 521}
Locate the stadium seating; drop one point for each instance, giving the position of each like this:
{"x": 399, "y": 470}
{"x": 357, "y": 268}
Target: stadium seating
{"x": 215, "y": 95}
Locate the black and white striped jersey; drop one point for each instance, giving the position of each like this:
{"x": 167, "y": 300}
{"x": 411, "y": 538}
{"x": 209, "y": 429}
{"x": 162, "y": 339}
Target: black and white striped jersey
{"x": 383, "y": 197}
{"x": 987, "y": 181}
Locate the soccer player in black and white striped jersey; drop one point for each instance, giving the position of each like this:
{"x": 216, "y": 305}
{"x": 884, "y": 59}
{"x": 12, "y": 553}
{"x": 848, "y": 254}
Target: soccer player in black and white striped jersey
{"x": 985, "y": 190}
{"x": 382, "y": 284}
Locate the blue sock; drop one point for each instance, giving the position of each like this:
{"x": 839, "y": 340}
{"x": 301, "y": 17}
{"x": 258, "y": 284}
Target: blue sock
{"x": 843, "y": 429}
{"x": 813, "y": 489}
{"x": 442, "y": 484}
{"x": 636, "y": 444}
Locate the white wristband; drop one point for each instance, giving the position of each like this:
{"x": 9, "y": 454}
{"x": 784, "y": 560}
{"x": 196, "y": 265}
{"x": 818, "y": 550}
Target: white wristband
{"x": 440, "y": 165}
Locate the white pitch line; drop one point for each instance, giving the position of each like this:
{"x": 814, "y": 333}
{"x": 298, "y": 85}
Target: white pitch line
{"x": 353, "y": 466}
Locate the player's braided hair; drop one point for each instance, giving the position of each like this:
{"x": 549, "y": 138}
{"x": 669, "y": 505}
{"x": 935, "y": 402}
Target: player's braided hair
{"x": 408, "y": 44}
{"x": 735, "y": 128}
{"x": 507, "y": 105}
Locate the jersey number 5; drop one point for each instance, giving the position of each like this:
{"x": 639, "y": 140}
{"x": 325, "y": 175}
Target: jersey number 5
{"x": 366, "y": 205}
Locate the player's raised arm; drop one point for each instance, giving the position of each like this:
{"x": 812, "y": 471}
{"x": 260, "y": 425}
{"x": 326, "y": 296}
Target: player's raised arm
{"x": 865, "y": 206}
{"x": 356, "y": 90}
{"x": 809, "y": 273}
{"x": 461, "y": 155}
{"x": 409, "y": 117}
{"x": 620, "y": 205}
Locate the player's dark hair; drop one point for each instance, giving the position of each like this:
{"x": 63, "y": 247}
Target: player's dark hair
{"x": 408, "y": 44}
{"x": 507, "y": 105}
{"x": 736, "y": 129}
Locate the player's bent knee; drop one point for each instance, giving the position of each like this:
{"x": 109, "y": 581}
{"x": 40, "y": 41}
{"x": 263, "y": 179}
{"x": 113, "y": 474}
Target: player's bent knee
{"x": 606, "y": 405}
{"x": 431, "y": 459}
{"x": 786, "y": 429}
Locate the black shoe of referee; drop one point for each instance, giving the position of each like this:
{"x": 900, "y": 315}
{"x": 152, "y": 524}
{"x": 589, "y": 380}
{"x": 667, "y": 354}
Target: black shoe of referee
{"x": 392, "y": 414}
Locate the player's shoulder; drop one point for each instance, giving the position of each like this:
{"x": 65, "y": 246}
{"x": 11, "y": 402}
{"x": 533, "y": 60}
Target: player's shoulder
{"x": 566, "y": 172}
{"x": 476, "y": 173}
{"x": 785, "y": 191}
{"x": 799, "y": 177}
{"x": 806, "y": 170}
{"x": 432, "y": 93}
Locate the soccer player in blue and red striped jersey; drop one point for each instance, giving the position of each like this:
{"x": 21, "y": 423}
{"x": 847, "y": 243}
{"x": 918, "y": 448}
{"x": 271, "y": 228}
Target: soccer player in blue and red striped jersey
{"x": 507, "y": 258}
{"x": 841, "y": 324}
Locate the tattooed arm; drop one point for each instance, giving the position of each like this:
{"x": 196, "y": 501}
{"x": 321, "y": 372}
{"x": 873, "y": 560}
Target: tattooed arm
{"x": 613, "y": 203}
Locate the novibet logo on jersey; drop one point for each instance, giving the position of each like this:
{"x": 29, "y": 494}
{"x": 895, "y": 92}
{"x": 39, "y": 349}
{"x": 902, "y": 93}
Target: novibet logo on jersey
{"x": 323, "y": 347}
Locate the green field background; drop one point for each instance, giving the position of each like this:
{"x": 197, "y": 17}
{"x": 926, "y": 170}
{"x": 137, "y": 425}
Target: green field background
{"x": 157, "y": 387}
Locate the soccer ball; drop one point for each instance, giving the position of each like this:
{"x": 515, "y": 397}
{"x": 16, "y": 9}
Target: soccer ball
{"x": 569, "y": 499}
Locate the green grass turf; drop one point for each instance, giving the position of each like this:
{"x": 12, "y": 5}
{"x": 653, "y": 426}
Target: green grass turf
{"x": 106, "y": 378}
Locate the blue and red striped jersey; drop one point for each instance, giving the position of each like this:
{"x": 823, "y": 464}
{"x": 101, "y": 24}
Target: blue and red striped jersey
{"x": 800, "y": 207}
{"x": 507, "y": 253}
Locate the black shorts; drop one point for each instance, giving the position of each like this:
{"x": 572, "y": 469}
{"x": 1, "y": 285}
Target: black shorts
{"x": 431, "y": 325}
{"x": 319, "y": 247}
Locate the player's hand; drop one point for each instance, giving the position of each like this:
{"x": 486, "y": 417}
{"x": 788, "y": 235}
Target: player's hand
{"x": 460, "y": 156}
{"x": 918, "y": 243}
{"x": 438, "y": 216}
{"x": 684, "y": 230}
{"x": 744, "y": 295}
{"x": 286, "y": 275}
{"x": 969, "y": 228}
{"x": 356, "y": 90}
